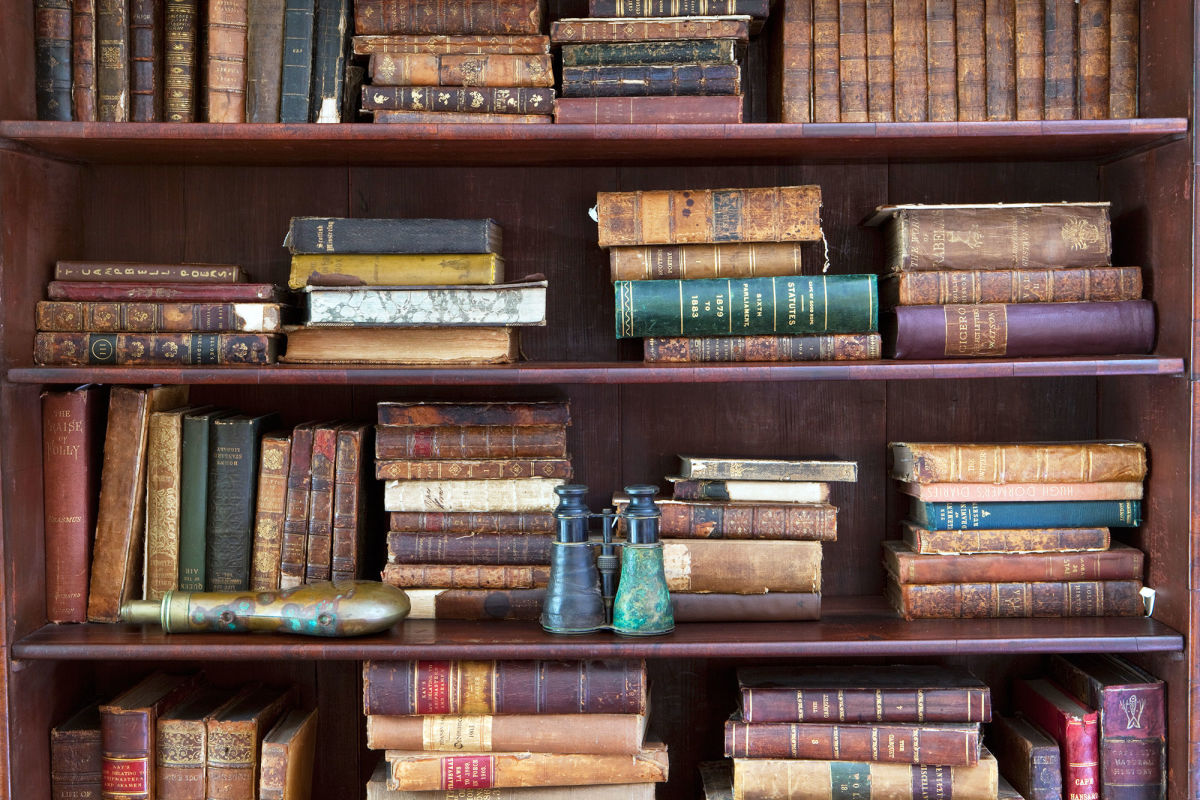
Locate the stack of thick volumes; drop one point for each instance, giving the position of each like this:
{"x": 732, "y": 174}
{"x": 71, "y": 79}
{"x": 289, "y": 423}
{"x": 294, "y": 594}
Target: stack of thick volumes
{"x": 714, "y": 275}
{"x": 194, "y": 60}
{"x": 957, "y": 60}
{"x": 497, "y": 725}
{"x": 899, "y": 731}
{"x": 1017, "y": 530}
{"x": 129, "y": 313}
{"x": 439, "y": 61}
{"x": 406, "y": 291}
{"x": 469, "y": 488}
{"x": 177, "y": 736}
{"x": 1023, "y": 279}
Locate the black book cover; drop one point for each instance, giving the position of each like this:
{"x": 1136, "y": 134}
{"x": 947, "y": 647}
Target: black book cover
{"x": 232, "y": 480}
{"x": 298, "y": 17}
{"x": 329, "y": 60}
{"x": 346, "y": 235}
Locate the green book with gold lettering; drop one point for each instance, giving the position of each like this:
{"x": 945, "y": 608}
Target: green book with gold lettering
{"x": 789, "y": 304}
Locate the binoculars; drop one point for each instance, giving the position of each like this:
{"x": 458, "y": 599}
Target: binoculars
{"x": 591, "y": 591}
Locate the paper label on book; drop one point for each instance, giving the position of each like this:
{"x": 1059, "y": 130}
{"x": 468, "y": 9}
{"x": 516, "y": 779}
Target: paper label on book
{"x": 931, "y": 783}
{"x": 468, "y": 772}
{"x": 677, "y": 567}
{"x": 849, "y": 780}
{"x": 472, "y": 733}
{"x": 976, "y": 330}
{"x": 125, "y": 776}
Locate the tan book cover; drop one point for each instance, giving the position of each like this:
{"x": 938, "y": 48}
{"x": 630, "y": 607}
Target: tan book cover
{"x": 465, "y": 576}
{"x": 401, "y": 346}
{"x": 182, "y": 744}
{"x": 970, "y": 57}
{"x": 941, "y": 55}
{"x": 518, "y": 494}
{"x": 454, "y": 69}
{"x": 531, "y": 44}
{"x": 287, "y": 757}
{"x": 537, "y": 733}
{"x": 270, "y": 510}
{"x": 740, "y": 567}
{"x": 792, "y": 64}
{"x": 1094, "y": 42}
{"x": 377, "y": 790}
{"x": 160, "y": 570}
{"x": 1000, "y": 34}
{"x": 911, "y": 88}
{"x": 1031, "y": 540}
{"x": 852, "y": 59}
{"x": 1015, "y": 492}
{"x": 688, "y": 261}
{"x": 826, "y": 91}
{"x": 234, "y": 738}
{"x": 1031, "y": 59}
{"x": 881, "y": 102}
{"x": 391, "y": 269}
{"x": 1034, "y": 462}
{"x": 626, "y": 29}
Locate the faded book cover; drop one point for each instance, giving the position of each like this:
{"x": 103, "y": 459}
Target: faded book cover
{"x": 438, "y": 17}
{"x": 76, "y": 756}
{"x": 235, "y": 736}
{"x": 911, "y": 88}
{"x": 319, "y": 546}
{"x": 852, "y": 59}
{"x": 689, "y": 261}
{"x": 518, "y": 494}
{"x": 826, "y": 92}
{"x": 881, "y": 101}
{"x": 1036, "y": 462}
{"x": 608, "y": 734}
{"x": 1000, "y": 68}
{"x": 1035, "y": 540}
{"x": 1030, "y": 59}
{"x": 164, "y": 489}
{"x": 803, "y": 347}
{"x": 780, "y": 779}
{"x": 1119, "y": 563}
{"x": 225, "y": 60}
{"x": 629, "y": 29}
{"x": 456, "y": 69}
{"x": 943, "y": 744}
{"x": 287, "y": 757}
{"x": 406, "y": 547}
{"x": 995, "y": 600}
{"x": 270, "y": 510}
{"x": 377, "y": 789}
{"x": 942, "y": 60}
{"x": 471, "y": 441}
{"x": 294, "y": 543}
{"x": 1069, "y": 285}
{"x": 350, "y": 521}
{"x": 739, "y": 567}
{"x": 707, "y": 519}
{"x": 465, "y": 576}
{"x": 182, "y": 744}
{"x": 1028, "y": 757}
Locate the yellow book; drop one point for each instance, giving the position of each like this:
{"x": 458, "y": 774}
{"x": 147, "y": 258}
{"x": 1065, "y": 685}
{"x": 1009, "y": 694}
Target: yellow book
{"x": 396, "y": 269}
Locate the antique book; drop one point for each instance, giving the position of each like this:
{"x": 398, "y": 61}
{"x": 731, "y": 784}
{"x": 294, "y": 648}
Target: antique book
{"x": 1130, "y": 702}
{"x": 1072, "y": 285}
{"x": 235, "y": 736}
{"x": 121, "y": 514}
{"x": 426, "y": 413}
{"x": 179, "y": 61}
{"x": 477, "y": 43}
{"x": 512, "y": 605}
{"x": 128, "y": 733}
{"x": 902, "y": 743}
{"x": 895, "y": 693}
{"x": 881, "y": 102}
{"x": 164, "y": 487}
{"x": 1028, "y": 757}
{"x": 285, "y": 772}
{"x": 801, "y": 347}
{"x": 1093, "y": 55}
{"x": 739, "y": 567}
{"x": 414, "y": 769}
{"x": 151, "y": 291}
{"x": 790, "y": 70}
{"x": 294, "y": 544}
{"x": 730, "y": 607}
{"x": 780, "y": 779}
{"x": 628, "y": 29}
{"x": 1030, "y": 59}
{"x": 457, "y": 69}
{"x": 472, "y": 522}
{"x": 145, "y": 60}
{"x": 459, "y": 118}
{"x": 766, "y": 469}
{"x": 795, "y": 304}
{"x": 225, "y": 61}
{"x": 193, "y": 499}
{"x": 76, "y": 755}
{"x": 652, "y": 80}
{"x": 405, "y": 547}
{"x": 999, "y": 236}
{"x": 516, "y": 494}
{"x": 394, "y": 269}
{"x": 401, "y": 345}
{"x": 486, "y": 99}
{"x": 706, "y": 519}
{"x": 62, "y": 315}
{"x": 1000, "y": 68}
{"x": 264, "y": 60}
{"x": 182, "y": 743}
{"x": 1060, "y": 54}
{"x": 229, "y": 525}
{"x": 910, "y": 68}
{"x": 1035, "y": 462}
{"x": 1123, "y": 34}
{"x": 1027, "y": 514}
{"x": 694, "y": 51}
{"x": 826, "y": 91}
{"x": 693, "y": 216}
{"x": 750, "y": 491}
{"x": 297, "y": 61}
{"x": 52, "y": 59}
{"x": 350, "y": 501}
{"x": 970, "y": 54}
{"x": 609, "y": 734}
{"x": 318, "y": 549}
{"x": 112, "y": 61}
{"x": 1036, "y": 540}
{"x": 377, "y": 790}
{"x": 670, "y": 8}
{"x": 687, "y": 261}
{"x": 716, "y": 778}
{"x": 504, "y": 687}
{"x": 163, "y": 349}
{"x": 852, "y": 60}
{"x": 330, "y": 43}
{"x": 1120, "y": 563}
{"x": 465, "y": 576}
{"x": 942, "y": 61}
{"x": 83, "y": 60}
{"x": 474, "y": 469}
{"x": 142, "y": 272}
{"x": 982, "y": 492}
{"x": 72, "y": 426}
{"x": 1073, "y": 725}
{"x": 1016, "y": 599}
{"x": 448, "y": 17}
{"x": 360, "y": 235}
{"x": 503, "y": 304}
{"x": 471, "y": 441}
{"x": 270, "y": 510}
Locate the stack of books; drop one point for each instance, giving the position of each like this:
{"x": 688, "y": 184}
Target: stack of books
{"x": 126, "y": 313}
{"x": 492, "y": 725}
{"x": 686, "y": 266}
{"x": 1016, "y": 530}
{"x": 436, "y": 61}
{"x": 406, "y": 291}
{"x": 1008, "y": 279}
{"x": 469, "y": 488}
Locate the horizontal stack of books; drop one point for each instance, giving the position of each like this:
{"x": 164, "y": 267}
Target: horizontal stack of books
{"x": 434, "y": 61}
{"x": 469, "y": 488}
{"x": 492, "y": 725}
{"x": 406, "y": 291}
{"x": 964, "y": 60}
{"x": 1008, "y": 279}
{"x": 1017, "y": 530}
{"x": 714, "y": 275}
{"x": 126, "y": 313}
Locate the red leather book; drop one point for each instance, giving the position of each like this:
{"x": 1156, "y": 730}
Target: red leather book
{"x": 1076, "y": 728}
{"x": 225, "y": 61}
{"x": 448, "y": 16}
{"x": 943, "y": 744}
{"x": 349, "y": 501}
{"x": 270, "y": 510}
{"x": 295, "y": 517}
{"x": 467, "y": 522}
{"x": 990, "y": 599}
{"x": 319, "y": 546}
{"x": 142, "y": 272}
{"x": 1120, "y": 563}
{"x": 128, "y": 726}
{"x": 714, "y": 110}
{"x": 471, "y": 441}
{"x": 83, "y": 60}
{"x": 456, "y": 548}
{"x": 424, "y": 469}
{"x": 76, "y": 756}
{"x": 702, "y": 519}
{"x": 410, "y": 414}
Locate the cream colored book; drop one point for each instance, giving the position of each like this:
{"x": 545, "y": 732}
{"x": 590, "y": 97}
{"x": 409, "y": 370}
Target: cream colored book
{"x": 517, "y": 494}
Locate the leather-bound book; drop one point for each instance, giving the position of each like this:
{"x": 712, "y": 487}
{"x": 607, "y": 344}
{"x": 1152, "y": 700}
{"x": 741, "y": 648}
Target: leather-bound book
{"x": 146, "y": 60}
{"x": 1093, "y": 58}
{"x": 1028, "y": 757}
{"x": 345, "y": 235}
{"x": 1124, "y": 32}
{"x": 1073, "y": 725}
{"x": 990, "y": 599}
{"x": 193, "y": 498}
{"x": 511, "y": 605}
{"x": 989, "y": 492}
{"x": 750, "y": 491}
{"x": 350, "y": 520}
{"x": 999, "y": 22}
{"x": 465, "y": 576}
{"x": 112, "y": 61}
{"x": 706, "y": 519}
{"x": 1027, "y": 514}
{"x": 165, "y": 292}
{"x": 61, "y": 315}
{"x": 1120, "y": 563}
{"x": 294, "y": 546}
{"x": 471, "y": 441}
{"x": 942, "y": 75}
{"x": 1031, "y": 59}
{"x": 881, "y": 101}
{"x": 264, "y": 60}
{"x": 235, "y": 736}
{"x": 729, "y": 607}
{"x": 971, "y": 59}
{"x": 471, "y": 469}
{"x": 1070, "y": 285}
{"x": 528, "y": 44}
{"x": 140, "y": 272}
{"x": 717, "y": 260}
{"x": 129, "y": 733}
{"x": 815, "y": 347}
{"x": 161, "y": 349}
{"x": 1060, "y": 462}
{"x": 285, "y": 772}
{"x": 766, "y": 469}
{"x": 800, "y": 779}
{"x": 72, "y": 426}
{"x": 232, "y": 469}
{"x": 934, "y": 743}
{"x": 1035, "y": 540}
{"x": 489, "y": 69}
{"x": 599, "y": 54}
{"x": 453, "y": 548}
{"x": 449, "y": 16}
{"x": 826, "y": 91}
{"x": 649, "y": 29}
{"x": 225, "y": 61}
{"x": 319, "y": 546}
{"x": 164, "y": 488}
{"x": 471, "y": 522}
{"x": 330, "y": 43}
{"x": 515, "y": 494}
{"x": 674, "y": 8}
{"x": 270, "y": 510}
{"x": 52, "y": 59}
{"x": 635, "y": 80}
{"x": 180, "y": 61}
{"x": 182, "y": 744}
{"x": 475, "y": 99}
{"x": 295, "y": 84}
{"x": 609, "y": 734}
{"x": 504, "y": 687}
{"x": 120, "y": 518}
{"x": 377, "y": 789}
{"x": 852, "y": 59}
{"x": 76, "y": 755}
{"x": 83, "y": 60}
{"x": 911, "y": 88}
{"x": 739, "y": 567}
{"x": 1061, "y": 59}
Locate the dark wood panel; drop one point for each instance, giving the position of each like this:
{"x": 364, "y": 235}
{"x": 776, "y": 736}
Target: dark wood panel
{"x": 16, "y": 61}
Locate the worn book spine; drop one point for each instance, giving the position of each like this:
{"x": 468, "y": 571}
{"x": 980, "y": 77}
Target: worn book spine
{"x": 168, "y": 292}
{"x": 1028, "y": 757}
{"x": 232, "y": 468}
{"x": 182, "y": 745}
{"x": 329, "y": 60}
{"x": 826, "y": 94}
{"x": 225, "y": 61}
{"x": 1041, "y": 514}
{"x": 739, "y": 567}
{"x": 628, "y": 29}
{"x": 999, "y": 22}
{"x": 414, "y": 306}
{"x": 83, "y": 60}
{"x": 1032, "y": 540}
{"x": 52, "y": 59}
{"x": 193, "y": 501}
{"x": 76, "y": 757}
{"x": 388, "y": 269}
{"x": 57, "y": 315}
{"x": 166, "y": 349}
{"x": 1061, "y": 64}
{"x": 406, "y": 547}
{"x": 799, "y": 304}
{"x": 1124, "y": 32}
{"x": 448, "y": 17}
{"x": 529, "y": 44}
{"x": 634, "y": 80}
{"x": 264, "y": 60}
{"x": 349, "y": 501}
{"x": 1072, "y": 285}
{"x": 422, "y": 413}
{"x": 852, "y": 59}
{"x": 511, "y": 605}
{"x": 791, "y": 71}
{"x": 286, "y": 760}
{"x": 695, "y": 51}
{"x": 1017, "y": 599}
{"x": 688, "y": 261}
{"x": 504, "y": 687}
{"x": 377, "y": 790}
{"x": 730, "y": 607}
{"x": 319, "y": 546}
{"x": 711, "y": 520}
{"x": 163, "y": 490}
{"x": 946, "y": 745}
{"x": 453, "y": 69}
{"x": 145, "y": 60}
{"x": 486, "y": 99}
{"x": 294, "y": 545}
{"x": 72, "y": 425}
{"x": 911, "y": 87}
{"x": 139, "y": 272}
{"x": 128, "y": 733}
{"x": 1030, "y": 59}
{"x": 519, "y": 494}
{"x": 799, "y": 779}
{"x": 1120, "y": 563}
{"x": 234, "y": 742}
{"x": 296, "y": 68}
{"x": 677, "y": 8}
{"x": 1073, "y": 725}
{"x": 112, "y": 61}
{"x": 419, "y": 770}
{"x": 983, "y": 492}
{"x": 1093, "y": 33}
{"x": 270, "y": 511}
{"x": 481, "y": 469}
{"x": 753, "y": 491}
{"x": 471, "y": 522}
{"x": 817, "y": 347}
{"x": 881, "y": 101}
{"x": 460, "y": 117}
{"x": 465, "y": 576}
{"x": 471, "y": 441}
{"x": 347, "y": 235}
{"x": 179, "y": 61}
{"x": 941, "y": 57}
{"x": 1065, "y": 462}
{"x": 608, "y": 734}
{"x": 679, "y": 109}
{"x": 971, "y": 60}
{"x": 912, "y": 701}
{"x": 763, "y": 469}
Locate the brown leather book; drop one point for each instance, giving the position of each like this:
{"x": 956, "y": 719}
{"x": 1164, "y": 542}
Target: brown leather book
{"x": 465, "y": 576}
{"x": 179, "y": 62}
{"x": 167, "y": 292}
{"x": 225, "y": 61}
{"x": 669, "y": 8}
{"x": 1016, "y": 599}
{"x": 76, "y": 755}
{"x": 117, "y": 552}
{"x": 899, "y": 743}
{"x": 182, "y": 744}
{"x": 128, "y": 733}
{"x": 720, "y": 260}
{"x": 1034, "y": 540}
{"x": 1061, "y": 63}
{"x": 1093, "y": 58}
{"x": 138, "y": 272}
{"x": 349, "y": 501}
{"x": 620, "y": 80}
{"x": 999, "y": 22}
{"x": 453, "y": 69}
{"x": 97, "y": 317}
{"x": 83, "y": 60}
{"x": 609, "y": 734}
{"x": 427, "y": 413}
{"x": 1120, "y": 563}
{"x": 460, "y": 522}
{"x": 472, "y": 469}
{"x": 163, "y": 491}
{"x": 681, "y": 109}
{"x": 829, "y": 347}
{"x": 740, "y": 567}
{"x": 294, "y": 545}
{"x": 287, "y": 757}
{"x": 790, "y": 76}
{"x": 530, "y": 44}
{"x": 52, "y": 59}
{"x": 454, "y": 548}
{"x": 319, "y": 546}
{"x": 1054, "y": 462}
{"x": 881, "y": 101}
{"x": 810, "y": 779}
{"x": 1028, "y": 757}
{"x": 448, "y": 17}
{"x": 1072, "y": 285}
{"x": 911, "y": 88}
{"x": 630, "y": 29}
{"x": 999, "y": 492}
{"x": 270, "y": 510}
{"x": 940, "y": 48}
{"x": 852, "y": 59}
{"x": 826, "y": 92}
{"x": 401, "y": 345}
{"x": 1031, "y": 59}
{"x": 504, "y": 687}
{"x": 235, "y": 736}
{"x": 72, "y": 426}
{"x": 971, "y": 59}
{"x": 145, "y": 60}
{"x": 729, "y": 607}
{"x": 699, "y": 519}
{"x": 112, "y": 61}
{"x": 511, "y": 605}
{"x": 163, "y": 349}
{"x": 471, "y": 441}
{"x": 1124, "y": 32}
{"x": 264, "y": 60}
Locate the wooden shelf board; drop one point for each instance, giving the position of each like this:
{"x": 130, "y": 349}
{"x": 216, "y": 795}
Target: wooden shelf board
{"x": 509, "y": 145}
{"x": 849, "y": 627}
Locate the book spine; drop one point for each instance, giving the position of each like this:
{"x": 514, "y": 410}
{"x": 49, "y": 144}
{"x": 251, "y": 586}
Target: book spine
{"x": 465, "y": 576}
{"x": 179, "y": 61}
{"x": 393, "y": 270}
{"x": 454, "y": 69}
{"x": 1030, "y": 59}
{"x": 1093, "y": 33}
{"x": 54, "y": 315}
{"x": 474, "y": 522}
{"x": 792, "y": 57}
{"x": 126, "y": 271}
{"x": 127, "y": 769}
{"x": 648, "y": 29}
{"x": 100, "y": 292}
{"x": 911, "y": 744}
{"x": 193, "y": 501}
{"x": 112, "y": 61}
{"x": 440, "y": 548}
{"x": 1060, "y": 61}
{"x": 881, "y": 100}
{"x": 232, "y": 759}
{"x": 999, "y": 22}
{"x": 941, "y": 53}
{"x": 816, "y": 522}
{"x": 513, "y": 605}
{"x": 270, "y": 511}
{"x": 688, "y": 261}
{"x": 422, "y": 414}
{"x": 500, "y": 770}
{"x": 504, "y": 687}
{"x": 319, "y": 547}
{"x": 911, "y": 91}
{"x": 415, "y": 306}
{"x": 448, "y": 17}
{"x": 730, "y": 607}
{"x": 296, "y": 75}
{"x": 1122, "y": 564}
{"x": 232, "y": 468}
{"x": 798, "y": 304}
{"x": 1124, "y": 32}
{"x": 986, "y": 492}
{"x": 344, "y": 235}
{"x": 695, "y": 51}
{"x": 829, "y": 347}
{"x": 461, "y": 117}
{"x": 329, "y": 61}
{"x": 264, "y": 60}
{"x": 1034, "y": 540}
{"x": 651, "y": 80}
{"x": 1077, "y": 731}
{"x": 83, "y": 60}
{"x": 71, "y": 430}
{"x": 1072, "y": 285}
{"x": 607, "y": 734}
{"x": 1065, "y": 462}
{"x": 225, "y": 69}
{"x": 168, "y": 349}
{"x": 736, "y": 567}
{"x": 852, "y": 60}
{"x": 826, "y": 93}
{"x": 866, "y": 704}
{"x": 52, "y": 59}
{"x": 294, "y": 545}
{"x": 677, "y": 8}
{"x": 471, "y": 441}
{"x": 971, "y": 60}
{"x": 349, "y": 502}
{"x": 1028, "y": 757}
{"x": 754, "y": 491}
{"x": 163, "y": 488}
{"x": 771, "y": 779}
{"x": 525, "y": 494}
{"x": 75, "y": 764}
{"x": 493, "y": 469}
{"x": 1046, "y": 514}
{"x": 766, "y": 469}
{"x": 1018, "y": 599}
{"x": 485, "y": 99}
{"x": 145, "y": 60}
{"x": 773, "y": 214}
{"x": 180, "y": 757}
{"x": 531, "y": 44}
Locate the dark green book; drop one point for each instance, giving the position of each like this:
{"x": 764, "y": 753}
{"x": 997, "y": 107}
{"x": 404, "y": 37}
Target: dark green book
{"x": 295, "y": 83}
{"x": 683, "y": 51}
{"x": 739, "y": 306}
{"x": 193, "y": 498}
{"x": 1027, "y": 514}
{"x": 232, "y": 480}
{"x": 329, "y": 60}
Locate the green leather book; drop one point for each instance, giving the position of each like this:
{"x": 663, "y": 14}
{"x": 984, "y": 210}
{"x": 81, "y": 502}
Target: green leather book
{"x": 193, "y": 497}
{"x": 232, "y": 473}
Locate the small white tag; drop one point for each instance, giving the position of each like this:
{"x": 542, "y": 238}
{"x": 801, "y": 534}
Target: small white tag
{"x": 592, "y": 213}
{"x": 1148, "y": 595}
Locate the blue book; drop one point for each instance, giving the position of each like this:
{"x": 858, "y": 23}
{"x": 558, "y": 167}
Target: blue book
{"x": 1055, "y": 514}
{"x": 298, "y": 21}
